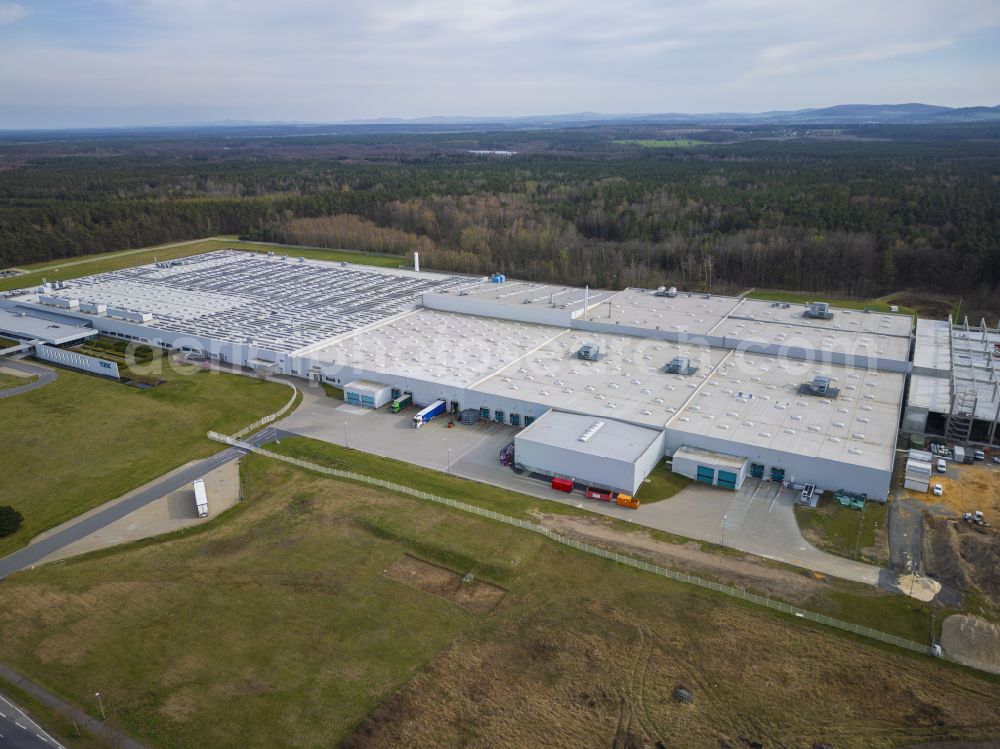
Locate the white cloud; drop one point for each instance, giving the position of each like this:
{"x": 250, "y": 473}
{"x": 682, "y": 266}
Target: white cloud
{"x": 11, "y": 12}
{"x": 333, "y": 59}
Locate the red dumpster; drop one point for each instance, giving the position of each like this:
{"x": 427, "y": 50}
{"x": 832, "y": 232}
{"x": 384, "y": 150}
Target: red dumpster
{"x": 563, "y": 485}
{"x": 599, "y": 494}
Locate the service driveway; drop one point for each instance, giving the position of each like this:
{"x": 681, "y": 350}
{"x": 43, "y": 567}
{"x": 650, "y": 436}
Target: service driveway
{"x": 758, "y": 519}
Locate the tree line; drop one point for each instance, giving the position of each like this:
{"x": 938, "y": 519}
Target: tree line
{"x": 847, "y": 217}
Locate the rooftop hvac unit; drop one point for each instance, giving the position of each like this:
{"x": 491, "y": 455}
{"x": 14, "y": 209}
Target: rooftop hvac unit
{"x": 819, "y": 311}
{"x": 589, "y": 351}
{"x": 820, "y": 385}
{"x": 664, "y": 291}
{"x": 680, "y": 365}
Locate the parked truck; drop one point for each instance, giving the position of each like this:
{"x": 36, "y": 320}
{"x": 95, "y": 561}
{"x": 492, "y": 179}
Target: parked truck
{"x": 428, "y": 413}
{"x": 200, "y": 498}
{"x": 398, "y": 404}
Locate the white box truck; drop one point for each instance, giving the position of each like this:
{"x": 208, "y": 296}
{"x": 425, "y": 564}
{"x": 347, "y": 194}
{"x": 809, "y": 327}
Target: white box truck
{"x": 200, "y": 498}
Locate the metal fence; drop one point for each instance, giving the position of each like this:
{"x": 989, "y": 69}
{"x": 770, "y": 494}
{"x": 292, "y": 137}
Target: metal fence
{"x": 628, "y": 561}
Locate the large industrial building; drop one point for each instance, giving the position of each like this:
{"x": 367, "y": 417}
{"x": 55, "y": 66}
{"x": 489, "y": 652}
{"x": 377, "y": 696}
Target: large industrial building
{"x": 803, "y": 394}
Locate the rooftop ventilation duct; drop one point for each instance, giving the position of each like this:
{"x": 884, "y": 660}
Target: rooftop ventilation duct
{"x": 819, "y": 311}
{"x": 680, "y": 365}
{"x": 820, "y": 386}
{"x": 589, "y": 351}
{"x": 664, "y": 291}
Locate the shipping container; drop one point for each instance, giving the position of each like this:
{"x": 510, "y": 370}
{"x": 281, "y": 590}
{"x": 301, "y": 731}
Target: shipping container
{"x": 563, "y": 485}
{"x": 200, "y": 498}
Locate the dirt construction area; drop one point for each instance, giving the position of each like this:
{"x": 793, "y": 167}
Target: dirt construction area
{"x": 968, "y": 487}
{"x": 963, "y": 556}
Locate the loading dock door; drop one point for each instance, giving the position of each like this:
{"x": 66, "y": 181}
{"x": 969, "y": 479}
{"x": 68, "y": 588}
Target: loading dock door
{"x": 777, "y": 474}
{"x": 484, "y": 413}
{"x": 706, "y": 475}
{"x": 353, "y": 398}
{"x": 727, "y": 480}
{"x": 528, "y": 420}
{"x": 367, "y": 401}
{"x": 757, "y": 470}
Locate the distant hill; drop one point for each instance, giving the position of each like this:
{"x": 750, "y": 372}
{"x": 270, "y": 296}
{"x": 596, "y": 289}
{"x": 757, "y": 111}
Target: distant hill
{"x": 841, "y": 114}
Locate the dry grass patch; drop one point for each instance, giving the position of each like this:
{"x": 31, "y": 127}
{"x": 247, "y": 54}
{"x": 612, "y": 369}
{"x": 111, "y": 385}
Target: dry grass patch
{"x": 475, "y": 595}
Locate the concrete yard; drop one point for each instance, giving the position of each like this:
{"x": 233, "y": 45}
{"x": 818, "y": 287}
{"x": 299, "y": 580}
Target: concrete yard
{"x": 173, "y": 512}
{"x": 758, "y": 519}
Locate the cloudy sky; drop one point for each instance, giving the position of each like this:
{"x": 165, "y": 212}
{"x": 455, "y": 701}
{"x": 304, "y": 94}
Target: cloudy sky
{"x": 68, "y": 63}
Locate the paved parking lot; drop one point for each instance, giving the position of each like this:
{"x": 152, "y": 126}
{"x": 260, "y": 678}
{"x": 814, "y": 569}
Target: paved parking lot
{"x": 758, "y": 519}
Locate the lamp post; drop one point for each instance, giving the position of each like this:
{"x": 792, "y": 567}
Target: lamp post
{"x": 101, "y": 705}
{"x": 449, "y": 460}
{"x": 346, "y": 441}
{"x": 724, "y": 517}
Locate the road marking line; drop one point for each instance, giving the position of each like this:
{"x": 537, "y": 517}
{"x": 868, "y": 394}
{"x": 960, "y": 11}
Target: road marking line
{"x": 20, "y": 726}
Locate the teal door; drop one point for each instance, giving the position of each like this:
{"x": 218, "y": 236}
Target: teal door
{"x": 354, "y": 398}
{"x": 777, "y": 474}
{"x": 727, "y": 480}
{"x": 757, "y": 470}
{"x": 706, "y": 475}
{"x": 528, "y": 420}
{"x": 515, "y": 420}
{"x": 484, "y": 413}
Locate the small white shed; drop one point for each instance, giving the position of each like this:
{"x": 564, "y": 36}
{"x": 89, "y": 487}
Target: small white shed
{"x": 367, "y": 393}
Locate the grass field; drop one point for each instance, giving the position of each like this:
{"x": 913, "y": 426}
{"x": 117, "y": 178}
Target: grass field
{"x": 861, "y": 604}
{"x": 12, "y": 381}
{"x": 678, "y": 143}
{"x": 841, "y": 530}
{"x": 61, "y": 270}
{"x": 662, "y": 483}
{"x": 275, "y": 625}
{"x": 82, "y": 440}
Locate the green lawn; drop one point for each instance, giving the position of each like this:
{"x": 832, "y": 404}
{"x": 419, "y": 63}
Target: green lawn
{"x": 494, "y": 498}
{"x": 12, "y": 381}
{"x": 332, "y": 391}
{"x": 83, "y": 440}
{"x": 678, "y": 143}
{"x": 8, "y": 342}
{"x": 797, "y": 297}
{"x": 662, "y": 483}
{"x": 275, "y": 625}
{"x": 100, "y": 263}
{"x": 835, "y": 528}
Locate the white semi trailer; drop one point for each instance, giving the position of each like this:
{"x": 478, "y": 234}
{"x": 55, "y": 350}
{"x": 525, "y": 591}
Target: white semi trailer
{"x": 200, "y": 498}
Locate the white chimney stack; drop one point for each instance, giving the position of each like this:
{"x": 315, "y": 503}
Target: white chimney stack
{"x": 416, "y": 261}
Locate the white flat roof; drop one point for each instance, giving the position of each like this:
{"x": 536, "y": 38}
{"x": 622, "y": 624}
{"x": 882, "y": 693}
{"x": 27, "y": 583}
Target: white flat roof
{"x": 609, "y": 438}
{"x": 932, "y": 393}
{"x": 843, "y": 320}
{"x": 687, "y": 313}
{"x": 282, "y": 304}
{"x": 527, "y": 292}
{"x": 932, "y": 346}
{"x": 626, "y": 383}
{"x": 445, "y": 347}
{"x": 716, "y": 458}
{"x": 49, "y": 328}
{"x": 754, "y": 400}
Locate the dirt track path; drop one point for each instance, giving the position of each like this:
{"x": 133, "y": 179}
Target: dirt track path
{"x": 740, "y": 571}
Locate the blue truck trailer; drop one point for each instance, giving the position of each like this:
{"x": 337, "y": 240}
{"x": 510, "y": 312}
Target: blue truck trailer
{"x": 428, "y": 413}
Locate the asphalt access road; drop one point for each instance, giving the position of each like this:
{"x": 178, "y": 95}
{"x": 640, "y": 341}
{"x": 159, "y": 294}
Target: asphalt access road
{"x": 33, "y": 553}
{"x": 18, "y": 731}
{"x": 45, "y": 376}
